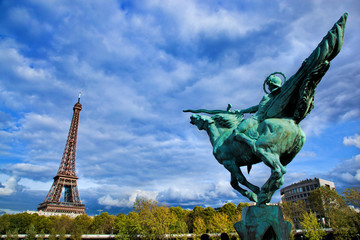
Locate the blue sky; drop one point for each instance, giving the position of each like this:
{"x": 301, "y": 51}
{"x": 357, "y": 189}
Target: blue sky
{"x": 138, "y": 65}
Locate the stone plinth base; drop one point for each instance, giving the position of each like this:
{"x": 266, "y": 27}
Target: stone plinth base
{"x": 263, "y": 222}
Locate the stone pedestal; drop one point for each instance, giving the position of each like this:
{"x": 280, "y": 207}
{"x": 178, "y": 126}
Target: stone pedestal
{"x": 263, "y": 222}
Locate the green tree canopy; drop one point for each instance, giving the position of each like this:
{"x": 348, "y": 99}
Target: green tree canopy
{"x": 103, "y": 223}
{"x": 312, "y": 228}
{"x": 31, "y": 233}
{"x": 221, "y": 223}
{"x": 352, "y": 196}
{"x": 324, "y": 200}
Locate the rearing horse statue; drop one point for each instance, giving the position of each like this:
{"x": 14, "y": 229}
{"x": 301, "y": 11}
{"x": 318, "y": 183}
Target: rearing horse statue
{"x": 272, "y": 135}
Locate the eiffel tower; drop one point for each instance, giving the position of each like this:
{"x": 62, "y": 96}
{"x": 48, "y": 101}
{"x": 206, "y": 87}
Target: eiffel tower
{"x": 66, "y": 178}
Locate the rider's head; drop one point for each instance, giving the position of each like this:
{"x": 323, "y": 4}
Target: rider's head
{"x": 273, "y": 82}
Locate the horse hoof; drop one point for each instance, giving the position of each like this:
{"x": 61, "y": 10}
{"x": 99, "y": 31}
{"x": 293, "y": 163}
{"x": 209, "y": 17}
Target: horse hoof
{"x": 262, "y": 199}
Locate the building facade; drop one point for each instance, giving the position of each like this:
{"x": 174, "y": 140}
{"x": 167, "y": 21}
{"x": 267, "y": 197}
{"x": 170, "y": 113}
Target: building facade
{"x": 301, "y": 190}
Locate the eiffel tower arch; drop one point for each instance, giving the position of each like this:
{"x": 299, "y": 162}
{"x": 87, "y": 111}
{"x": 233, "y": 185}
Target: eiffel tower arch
{"x": 65, "y": 181}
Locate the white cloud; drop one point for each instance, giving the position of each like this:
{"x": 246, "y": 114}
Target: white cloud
{"x": 357, "y": 176}
{"x": 198, "y": 19}
{"x": 347, "y": 173}
{"x": 30, "y": 184}
{"x": 352, "y": 141}
{"x": 30, "y": 168}
{"x": 9, "y": 187}
{"x": 127, "y": 200}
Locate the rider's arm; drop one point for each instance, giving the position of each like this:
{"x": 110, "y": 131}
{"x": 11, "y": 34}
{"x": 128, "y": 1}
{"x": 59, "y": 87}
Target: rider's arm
{"x": 252, "y": 109}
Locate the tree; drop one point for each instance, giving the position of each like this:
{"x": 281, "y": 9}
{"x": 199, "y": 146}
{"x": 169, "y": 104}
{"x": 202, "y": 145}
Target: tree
{"x": 62, "y": 233}
{"x": 31, "y": 233}
{"x": 76, "y": 233}
{"x": 198, "y": 211}
{"x": 121, "y": 227}
{"x": 41, "y": 235}
{"x": 220, "y": 223}
{"x": 240, "y": 207}
{"x": 231, "y": 210}
{"x": 313, "y": 229}
{"x": 4, "y": 223}
{"x": 345, "y": 223}
{"x": 146, "y": 220}
{"x": 12, "y": 235}
{"x": 323, "y": 201}
{"x": 21, "y": 222}
{"x": 164, "y": 218}
{"x": 81, "y": 224}
{"x": 62, "y": 223}
{"x": 199, "y": 226}
{"x": 52, "y": 235}
{"x": 127, "y": 226}
{"x": 179, "y": 212}
{"x": 179, "y": 226}
{"x": 207, "y": 214}
{"x": 43, "y": 224}
{"x": 119, "y": 223}
{"x": 352, "y": 196}
{"x": 103, "y": 223}
{"x": 294, "y": 212}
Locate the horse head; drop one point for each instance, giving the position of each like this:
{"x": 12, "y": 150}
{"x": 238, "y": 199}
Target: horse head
{"x": 200, "y": 121}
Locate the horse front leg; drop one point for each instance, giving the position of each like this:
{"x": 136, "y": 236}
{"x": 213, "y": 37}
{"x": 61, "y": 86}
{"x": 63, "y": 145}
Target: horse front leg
{"x": 276, "y": 178}
{"x": 238, "y": 177}
{"x": 269, "y": 188}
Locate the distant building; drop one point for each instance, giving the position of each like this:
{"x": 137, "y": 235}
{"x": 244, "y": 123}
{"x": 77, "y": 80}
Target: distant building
{"x": 301, "y": 190}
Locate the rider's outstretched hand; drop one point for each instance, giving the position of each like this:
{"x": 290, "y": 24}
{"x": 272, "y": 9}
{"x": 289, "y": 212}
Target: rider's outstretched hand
{"x": 237, "y": 111}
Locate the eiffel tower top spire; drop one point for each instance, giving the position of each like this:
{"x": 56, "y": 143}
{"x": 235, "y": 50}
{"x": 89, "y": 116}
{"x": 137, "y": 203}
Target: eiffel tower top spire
{"x": 68, "y": 161}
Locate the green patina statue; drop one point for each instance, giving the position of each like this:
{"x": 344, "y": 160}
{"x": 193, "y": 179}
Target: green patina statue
{"x": 272, "y": 135}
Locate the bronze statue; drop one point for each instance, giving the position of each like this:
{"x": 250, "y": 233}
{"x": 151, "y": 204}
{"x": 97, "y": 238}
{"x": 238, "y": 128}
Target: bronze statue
{"x": 272, "y": 135}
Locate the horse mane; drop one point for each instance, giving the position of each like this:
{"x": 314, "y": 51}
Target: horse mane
{"x": 228, "y": 120}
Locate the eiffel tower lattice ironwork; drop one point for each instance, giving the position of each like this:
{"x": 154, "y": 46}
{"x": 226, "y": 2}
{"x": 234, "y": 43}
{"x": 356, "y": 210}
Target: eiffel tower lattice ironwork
{"x": 66, "y": 178}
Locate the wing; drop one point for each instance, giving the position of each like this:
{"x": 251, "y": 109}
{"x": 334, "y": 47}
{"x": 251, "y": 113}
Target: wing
{"x": 296, "y": 97}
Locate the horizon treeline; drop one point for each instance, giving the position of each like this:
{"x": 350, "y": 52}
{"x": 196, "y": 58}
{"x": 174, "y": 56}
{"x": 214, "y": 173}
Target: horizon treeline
{"x": 149, "y": 218}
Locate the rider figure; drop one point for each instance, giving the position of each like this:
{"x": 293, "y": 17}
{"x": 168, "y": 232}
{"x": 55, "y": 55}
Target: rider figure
{"x": 274, "y": 84}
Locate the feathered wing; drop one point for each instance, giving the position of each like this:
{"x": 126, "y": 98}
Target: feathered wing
{"x": 296, "y": 96}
